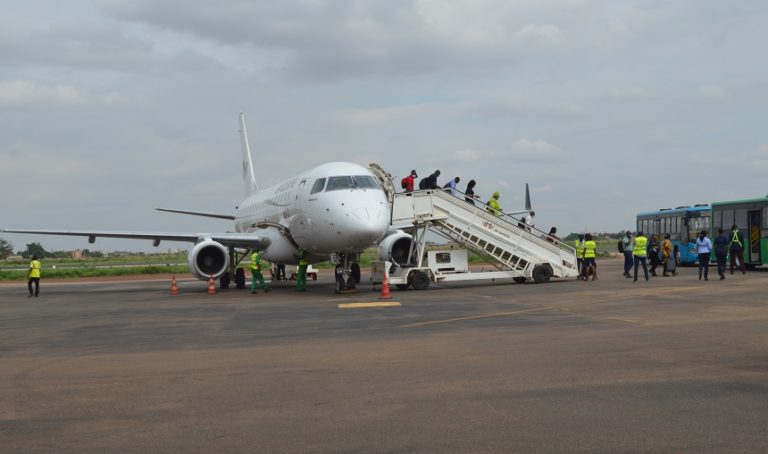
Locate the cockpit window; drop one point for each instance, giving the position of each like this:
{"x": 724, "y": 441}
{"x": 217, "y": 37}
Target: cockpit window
{"x": 357, "y": 181}
{"x": 336, "y": 183}
{"x": 365, "y": 182}
{"x": 318, "y": 186}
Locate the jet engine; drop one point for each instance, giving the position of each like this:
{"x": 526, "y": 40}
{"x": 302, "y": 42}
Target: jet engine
{"x": 208, "y": 258}
{"x": 395, "y": 247}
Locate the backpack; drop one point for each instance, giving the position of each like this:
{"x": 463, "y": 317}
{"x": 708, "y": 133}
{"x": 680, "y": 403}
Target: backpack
{"x": 403, "y": 182}
{"x": 423, "y": 183}
{"x": 621, "y": 246}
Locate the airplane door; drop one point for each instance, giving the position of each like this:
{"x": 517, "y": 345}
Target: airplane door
{"x": 754, "y": 236}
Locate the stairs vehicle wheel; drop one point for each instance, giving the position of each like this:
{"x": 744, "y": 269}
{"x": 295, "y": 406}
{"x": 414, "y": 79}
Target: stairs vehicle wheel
{"x": 541, "y": 273}
{"x": 520, "y": 280}
{"x": 420, "y": 280}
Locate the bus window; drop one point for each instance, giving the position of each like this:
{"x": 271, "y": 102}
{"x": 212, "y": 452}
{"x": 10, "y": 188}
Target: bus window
{"x": 318, "y": 186}
{"x": 727, "y": 219}
{"x": 740, "y": 218}
{"x": 765, "y": 217}
{"x": 717, "y": 220}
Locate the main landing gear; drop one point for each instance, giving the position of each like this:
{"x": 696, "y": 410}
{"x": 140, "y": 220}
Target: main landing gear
{"x": 347, "y": 273}
{"x": 239, "y": 274}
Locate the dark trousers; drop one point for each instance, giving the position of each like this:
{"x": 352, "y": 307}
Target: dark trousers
{"x": 721, "y": 256}
{"x": 644, "y": 260}
{"x": 36, "y": 280}
{"x": 579, "y": 264}
{"x": 654, "y": 264}
{"x": 627, "y": 262}
{"x": 704, "y": 264}
{"x": 737, "y": 257}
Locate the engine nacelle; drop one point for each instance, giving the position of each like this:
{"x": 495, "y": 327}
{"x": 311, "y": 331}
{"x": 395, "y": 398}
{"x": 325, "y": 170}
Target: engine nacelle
{"x": 395, "y": 247}
{"x": 208, "y": 258}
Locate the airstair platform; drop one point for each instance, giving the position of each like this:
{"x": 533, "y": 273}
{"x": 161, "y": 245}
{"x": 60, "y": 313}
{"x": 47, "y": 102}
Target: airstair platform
{"x": 521, "y": 252}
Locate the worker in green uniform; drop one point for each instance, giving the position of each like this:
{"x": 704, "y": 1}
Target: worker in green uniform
{"x": 301, "y": 275}
{"x": 493, "y": 206}
{"x": 34, "y": 276}
{"x": 255, "y": 267}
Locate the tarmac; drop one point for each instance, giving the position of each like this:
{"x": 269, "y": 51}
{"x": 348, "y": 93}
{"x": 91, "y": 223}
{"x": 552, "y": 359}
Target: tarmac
{"x": 670, "y": 365}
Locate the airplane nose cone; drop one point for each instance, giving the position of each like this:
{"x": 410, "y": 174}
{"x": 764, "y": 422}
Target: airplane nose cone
{"x": 371, "y": 223}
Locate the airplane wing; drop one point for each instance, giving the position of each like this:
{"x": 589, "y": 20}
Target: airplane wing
{"x": 198, "y": 213}
{"x": 243, "y": 240}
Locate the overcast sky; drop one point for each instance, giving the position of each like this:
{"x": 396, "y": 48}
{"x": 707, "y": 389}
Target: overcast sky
{"x": 111, "y": 108}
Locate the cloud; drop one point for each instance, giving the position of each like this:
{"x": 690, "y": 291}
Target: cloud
{"x": 712, "y": 93}
{"x": 343, "y": 38}
{"x": 25, "y": 92}
{"x": 379, "y": 116}
{"x": 527, "y": 150}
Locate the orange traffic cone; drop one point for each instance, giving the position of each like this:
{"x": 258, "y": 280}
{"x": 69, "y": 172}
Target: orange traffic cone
{"x": 174, "y": 289}
{"x": 385, "y": 289}
{"x": 211, "y": 286}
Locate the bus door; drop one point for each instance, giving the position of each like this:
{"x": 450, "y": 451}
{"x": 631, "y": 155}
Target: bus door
{"x": 754, "y": 236}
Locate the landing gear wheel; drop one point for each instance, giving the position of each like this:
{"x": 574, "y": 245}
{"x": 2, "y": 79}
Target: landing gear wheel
{"x": 541, "y": 273}
{"x": 519, "y": 280}
{"x": 339, "y": 284}
{"x": 402, "y": 286}
{"x": 351, "y": 284}
{"x": 240, "y": 278}
{"x": 420, "y": 280}
{"x": 355, "y": 270}
{"x": 224, "y": 280}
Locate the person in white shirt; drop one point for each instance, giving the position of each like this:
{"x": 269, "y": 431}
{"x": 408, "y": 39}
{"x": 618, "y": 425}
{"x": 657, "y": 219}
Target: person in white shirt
{"x": 529, "y": 220}
{"x": 704, "y": 249}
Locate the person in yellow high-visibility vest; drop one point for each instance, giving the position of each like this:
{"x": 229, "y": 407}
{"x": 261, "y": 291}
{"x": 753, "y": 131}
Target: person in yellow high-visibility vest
{"x": 34, "y": 276}
{"x": 301, "y": 273}
{"x": 493, "y": 206}
{"x": 640, "y": 252}
{"x": 255, "y": 267}
{"x": 590, "y": 252}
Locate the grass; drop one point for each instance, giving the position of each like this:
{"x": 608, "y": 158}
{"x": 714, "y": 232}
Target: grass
{"x": 91, "y": 271}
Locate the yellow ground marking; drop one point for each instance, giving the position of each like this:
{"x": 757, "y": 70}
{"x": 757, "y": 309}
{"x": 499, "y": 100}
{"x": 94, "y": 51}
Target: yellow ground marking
{"x": 377, "y": 304}
{"x": 476, "y": 317}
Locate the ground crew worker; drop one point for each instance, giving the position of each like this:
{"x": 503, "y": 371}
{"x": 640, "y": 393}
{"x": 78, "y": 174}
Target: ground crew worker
{"x": 590, "y": 251}
{"x": 34, "y": 276}
{"x": 640, "y": 252}
{"x": 493, "y": 205}
{"x": 736, "y": 247}
{"x": 255, "y": 267}
{"x": 301, "y": 275}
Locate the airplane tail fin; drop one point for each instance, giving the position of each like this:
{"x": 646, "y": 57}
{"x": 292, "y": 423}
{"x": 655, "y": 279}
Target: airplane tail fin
{"x": 248, "y": 176}
{"x": 527, "y": 198}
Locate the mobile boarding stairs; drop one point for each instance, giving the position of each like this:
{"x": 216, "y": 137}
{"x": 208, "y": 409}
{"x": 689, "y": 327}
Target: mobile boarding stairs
{"x": 516, "y": 251}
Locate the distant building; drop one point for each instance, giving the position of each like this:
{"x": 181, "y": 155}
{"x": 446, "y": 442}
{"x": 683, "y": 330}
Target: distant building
{"x": 77, "y": 254}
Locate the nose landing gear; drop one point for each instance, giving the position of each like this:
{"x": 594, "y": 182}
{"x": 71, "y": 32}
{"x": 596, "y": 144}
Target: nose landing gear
{"x": 347, "y": 273}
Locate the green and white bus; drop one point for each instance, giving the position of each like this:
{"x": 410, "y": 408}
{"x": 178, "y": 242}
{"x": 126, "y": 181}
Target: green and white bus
{"x": 751, "y": 216}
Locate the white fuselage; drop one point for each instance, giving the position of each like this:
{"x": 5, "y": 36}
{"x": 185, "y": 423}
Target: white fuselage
{"x": 337, "y": 207}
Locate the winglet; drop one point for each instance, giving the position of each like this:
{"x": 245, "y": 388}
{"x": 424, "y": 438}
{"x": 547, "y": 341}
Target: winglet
{"x": 248, "y": 176}
{"x": 527, "y": 198}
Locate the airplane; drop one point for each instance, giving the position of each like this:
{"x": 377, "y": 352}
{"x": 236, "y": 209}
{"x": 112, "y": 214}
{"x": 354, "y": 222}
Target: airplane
{"x": 332, "y": 212}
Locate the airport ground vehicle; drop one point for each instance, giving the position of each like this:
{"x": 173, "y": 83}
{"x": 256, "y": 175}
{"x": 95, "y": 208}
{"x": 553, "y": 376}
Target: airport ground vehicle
{"x": 682, "y": 224}
{"x": 751, "y": 216}
{"x": 517, "y": 252}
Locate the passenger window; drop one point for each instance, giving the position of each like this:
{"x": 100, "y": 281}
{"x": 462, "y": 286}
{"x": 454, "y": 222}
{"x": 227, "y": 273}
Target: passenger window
{"x": 336, "y": 183}
{"x": 318, "y": 186}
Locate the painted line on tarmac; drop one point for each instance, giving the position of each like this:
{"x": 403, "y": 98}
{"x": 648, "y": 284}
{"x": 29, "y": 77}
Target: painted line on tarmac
{"x": 477, "y": 317}
{"x": 364, "y": 305}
